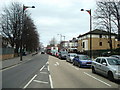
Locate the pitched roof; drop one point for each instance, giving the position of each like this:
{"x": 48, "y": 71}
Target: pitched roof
{"x": 97, "y": 32}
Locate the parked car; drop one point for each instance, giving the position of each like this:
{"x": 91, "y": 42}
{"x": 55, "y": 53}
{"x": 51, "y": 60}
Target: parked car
{"x": 116, "y": 56}
{"x": 62, "y": 54}
{"x": 70, "y": 56}
{"x": 82, "y": 61}
{"x": 107, "y": 66}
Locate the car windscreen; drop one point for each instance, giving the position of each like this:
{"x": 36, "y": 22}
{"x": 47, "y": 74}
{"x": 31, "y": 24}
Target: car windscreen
{"x": 113, "y": 61}
{"x": 84, "y": 57}
{"x": 63, "y": 52}
{"x": 73, "y": 55}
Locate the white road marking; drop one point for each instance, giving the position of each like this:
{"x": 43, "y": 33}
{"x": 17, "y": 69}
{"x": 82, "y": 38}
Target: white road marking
{"x": 48, "y": 68}
{"x": 44, "y": 72}
{"x": 51, "y": 83}
{"x": 40, "y": 81}
{"x": 76, "y": 68}
{"x": 57, "y": 63}
{"x": 42, "y": 68}
{"x": 47, "y": 62}
{"x": 98, "y": 79}
{"x": 29, "y": 82}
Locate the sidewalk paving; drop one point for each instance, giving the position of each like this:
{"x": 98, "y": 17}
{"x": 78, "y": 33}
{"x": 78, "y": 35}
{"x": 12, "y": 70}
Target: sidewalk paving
{"x": 14, "y": 61}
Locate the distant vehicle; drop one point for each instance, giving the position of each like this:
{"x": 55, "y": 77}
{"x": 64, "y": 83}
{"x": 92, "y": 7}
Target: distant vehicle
{"x": 82, "y": 61}
{"x": 42, "y": 52}
{"x": 70, "y": 56}
{"x": 116, "y": 56}
{"x": 107, "y": 66}
{"x": 62, "y": 54}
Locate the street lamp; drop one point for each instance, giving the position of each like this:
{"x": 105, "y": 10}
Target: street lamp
{"x": 60, "y": 37}
{"x": 24, "y": 8}
{"x": 89, "y": 11}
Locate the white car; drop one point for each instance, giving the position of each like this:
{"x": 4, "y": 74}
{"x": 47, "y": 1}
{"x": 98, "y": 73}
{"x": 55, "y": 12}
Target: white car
{"x": 70, "y": 56}
{"x": 107, "y": 66}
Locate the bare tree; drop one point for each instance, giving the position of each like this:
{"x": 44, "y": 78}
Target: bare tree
{"x": 107, "y": 16}
{"x": 12, "y": 22}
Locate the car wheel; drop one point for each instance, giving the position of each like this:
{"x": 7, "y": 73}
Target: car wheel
{"x": 79, "y": 65}
{"x": 110, "y": 76}
{"x": 73, "y": 63}
{"x": 93, "y": 70}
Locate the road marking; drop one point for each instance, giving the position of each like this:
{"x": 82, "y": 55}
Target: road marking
{"x": 97, "y": 79}
{"x": 57, "y": 63}
{"x": 76, "y": 68}
{"x": 47, "y": 62}
{"x": 51, "y": 83}
{"x": 44, "y": 72}
{"x": 29, "y": 82}
{"x": 42, "y": 68}
{"x": 40, "y": 81}
{"x": 48, "y": 68}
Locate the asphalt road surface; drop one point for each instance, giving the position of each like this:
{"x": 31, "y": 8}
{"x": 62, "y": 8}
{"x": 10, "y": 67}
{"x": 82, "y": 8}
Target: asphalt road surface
{"x": 65, "y": 75}
{"x": 45, "y": 71}
{"x": 19, "y": 76}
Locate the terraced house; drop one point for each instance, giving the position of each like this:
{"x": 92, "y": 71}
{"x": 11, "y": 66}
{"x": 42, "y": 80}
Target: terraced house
{"x": 100, "y": 41}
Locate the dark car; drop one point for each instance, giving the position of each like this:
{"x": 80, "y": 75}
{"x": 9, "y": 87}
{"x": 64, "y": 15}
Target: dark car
{"x": 82, "y": 61}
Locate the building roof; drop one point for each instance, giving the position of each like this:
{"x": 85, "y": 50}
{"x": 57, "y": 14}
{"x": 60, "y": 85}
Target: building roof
{"x": 97, "y": 32}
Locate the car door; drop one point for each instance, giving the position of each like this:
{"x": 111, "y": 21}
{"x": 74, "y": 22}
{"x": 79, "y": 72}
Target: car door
{"x": 98, "y": 65}
{"x": 104, "y": 67}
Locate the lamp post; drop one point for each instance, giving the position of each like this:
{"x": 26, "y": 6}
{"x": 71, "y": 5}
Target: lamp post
{"x": 21, "y": 44}
{"x": 60, "y": 37}
{"x": 89, "y": 11}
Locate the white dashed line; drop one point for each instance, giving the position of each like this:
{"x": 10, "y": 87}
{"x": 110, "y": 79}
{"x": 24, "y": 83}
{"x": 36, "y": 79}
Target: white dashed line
{"x": 29, "y": 82}
{"x": 40, "y": 81}
{"x": 57, "y": 63}
{"x": 98, "y": 79}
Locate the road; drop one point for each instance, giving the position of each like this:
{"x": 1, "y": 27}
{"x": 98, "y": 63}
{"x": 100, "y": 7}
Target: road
{"x": 19, "y": 76}
{"x": 45, "y": 71}
{"x": 65, "y": 75}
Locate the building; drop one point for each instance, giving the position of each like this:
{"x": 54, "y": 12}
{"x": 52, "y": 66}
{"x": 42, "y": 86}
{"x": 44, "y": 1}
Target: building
{"x": 100, "y": 41}
{"x": 72, "y": 45}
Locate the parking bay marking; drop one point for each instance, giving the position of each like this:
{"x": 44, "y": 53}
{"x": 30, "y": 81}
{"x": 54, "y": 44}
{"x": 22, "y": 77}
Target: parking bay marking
{"x": 29, "y": 82}
{"x": 40, "y": 81}
{"x": 97, "y": 79}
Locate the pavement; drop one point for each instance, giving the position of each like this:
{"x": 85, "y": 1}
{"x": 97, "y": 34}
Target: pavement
{"x": 14, "y": 61}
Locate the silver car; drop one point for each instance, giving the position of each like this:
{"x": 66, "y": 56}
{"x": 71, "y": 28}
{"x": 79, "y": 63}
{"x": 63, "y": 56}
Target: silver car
{"x": 70, "y": 56}
{"x": 107, "y": 66}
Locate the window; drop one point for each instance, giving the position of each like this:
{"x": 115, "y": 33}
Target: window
{"x": 100, "y": 44}
{"x": 83, "y": 44}
{"x": 98, "y": 60}
{"x": 103, "y": 61}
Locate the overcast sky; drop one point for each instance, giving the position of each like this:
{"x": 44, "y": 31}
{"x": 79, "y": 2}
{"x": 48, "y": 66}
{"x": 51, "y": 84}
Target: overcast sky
{"x": 54, "y": 17}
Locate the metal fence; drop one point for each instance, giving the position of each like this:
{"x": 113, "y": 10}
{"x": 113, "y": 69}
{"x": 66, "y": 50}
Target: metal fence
{"x": 6, "y": 51}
